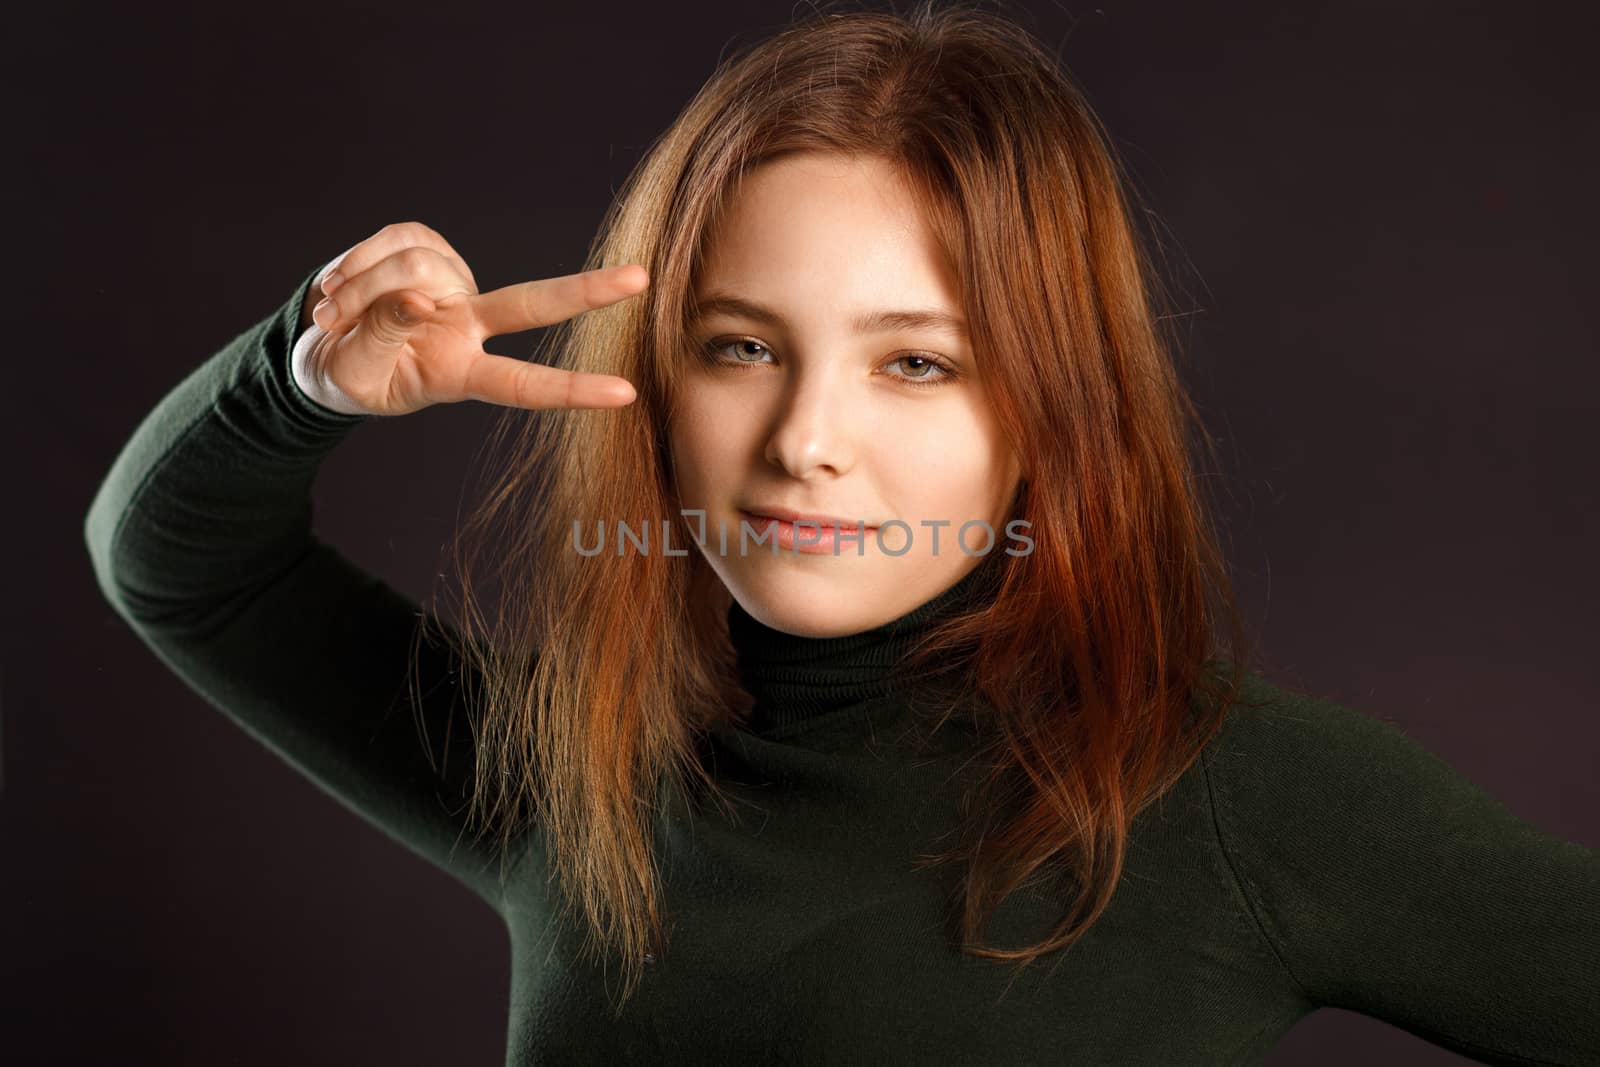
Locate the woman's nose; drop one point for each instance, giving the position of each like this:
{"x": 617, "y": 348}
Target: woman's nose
{"x": 814, "y": 427}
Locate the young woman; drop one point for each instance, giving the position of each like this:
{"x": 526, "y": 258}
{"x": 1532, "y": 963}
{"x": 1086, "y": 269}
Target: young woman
{"x": 865, "y": 682}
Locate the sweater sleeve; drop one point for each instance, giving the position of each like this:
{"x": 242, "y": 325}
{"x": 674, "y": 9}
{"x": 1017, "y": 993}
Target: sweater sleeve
{"x": 1389, "y": 884}
{"x": 200, "y": 538}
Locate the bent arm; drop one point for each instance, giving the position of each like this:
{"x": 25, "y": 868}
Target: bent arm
{"x": 200, "y": 538}
{"x": 1391, "y": 885}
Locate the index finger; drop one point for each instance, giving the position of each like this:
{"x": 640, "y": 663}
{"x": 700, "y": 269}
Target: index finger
{"x": 527, "y": 305}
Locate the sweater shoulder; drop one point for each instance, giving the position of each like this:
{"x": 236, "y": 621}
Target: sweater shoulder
{"x": 1296, "y": 777}
{"x": 1276, "y": 739}
{"x": 1391, "y": 884}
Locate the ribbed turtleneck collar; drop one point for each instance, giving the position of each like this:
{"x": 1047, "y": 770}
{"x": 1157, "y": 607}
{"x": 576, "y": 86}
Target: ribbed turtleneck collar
{"x": 794, "y": 679}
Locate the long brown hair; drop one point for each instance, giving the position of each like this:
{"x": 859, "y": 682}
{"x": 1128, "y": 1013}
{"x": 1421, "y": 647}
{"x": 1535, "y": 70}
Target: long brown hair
{"x": 1094, "y": 658}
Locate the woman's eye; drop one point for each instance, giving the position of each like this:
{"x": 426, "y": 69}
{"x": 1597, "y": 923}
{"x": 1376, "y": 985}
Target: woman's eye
{"x": 715, "y": 348}
{"x": 923, "y": 369}
{"x": 742, "y": 350}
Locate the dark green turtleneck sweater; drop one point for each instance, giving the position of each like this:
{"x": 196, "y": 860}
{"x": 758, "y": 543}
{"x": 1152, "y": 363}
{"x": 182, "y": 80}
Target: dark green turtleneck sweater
{"x": 1313, "y": 856}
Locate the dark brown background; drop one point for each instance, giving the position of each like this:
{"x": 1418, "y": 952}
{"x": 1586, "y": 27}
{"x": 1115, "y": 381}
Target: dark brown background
{"x": 1383, "y": 214}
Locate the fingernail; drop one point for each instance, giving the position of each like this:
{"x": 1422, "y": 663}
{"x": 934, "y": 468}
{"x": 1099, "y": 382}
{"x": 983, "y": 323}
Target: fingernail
{"x": 332, "y": 282}
{"x": 325, "y": 313}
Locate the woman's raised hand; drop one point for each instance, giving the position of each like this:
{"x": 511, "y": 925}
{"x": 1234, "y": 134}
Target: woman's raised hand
{"x": 405, "y": 326}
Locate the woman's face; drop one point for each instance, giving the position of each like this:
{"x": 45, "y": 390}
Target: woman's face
{"x": 795, "y": 404}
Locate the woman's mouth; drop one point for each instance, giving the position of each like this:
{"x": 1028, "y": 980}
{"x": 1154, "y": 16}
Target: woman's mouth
{"x": 813, "y": 533}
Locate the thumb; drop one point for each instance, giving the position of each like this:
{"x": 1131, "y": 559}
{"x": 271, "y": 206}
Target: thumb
{"x": 394, "y": 316}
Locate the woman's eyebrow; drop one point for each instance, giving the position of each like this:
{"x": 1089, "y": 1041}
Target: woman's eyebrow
{"x": 872, "y": 322}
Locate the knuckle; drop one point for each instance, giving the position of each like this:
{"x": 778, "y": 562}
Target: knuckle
{"x": 528, "y": 303}
{"x": 422, "y": 234}
{"x": 415, "y": 262}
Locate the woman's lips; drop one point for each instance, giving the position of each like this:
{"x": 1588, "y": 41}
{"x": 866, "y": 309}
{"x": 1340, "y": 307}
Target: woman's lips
{"x": 818, "y": 536}
{"x": 788, "y": 515}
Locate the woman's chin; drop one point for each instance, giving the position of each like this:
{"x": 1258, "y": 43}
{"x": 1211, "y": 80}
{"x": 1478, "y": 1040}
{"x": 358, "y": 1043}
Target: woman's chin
{"x": 845, "y": 597}
{"x": 807, "y": 601}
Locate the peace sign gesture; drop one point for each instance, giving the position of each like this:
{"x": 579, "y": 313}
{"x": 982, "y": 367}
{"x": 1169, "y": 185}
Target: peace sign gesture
{"x": 403, "y": 326}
